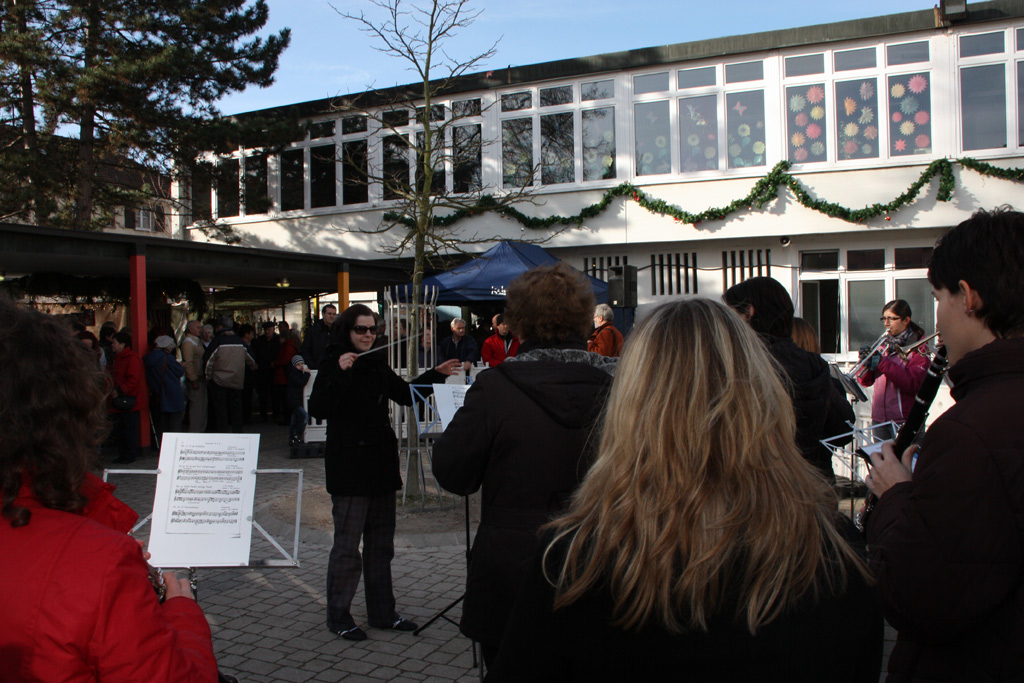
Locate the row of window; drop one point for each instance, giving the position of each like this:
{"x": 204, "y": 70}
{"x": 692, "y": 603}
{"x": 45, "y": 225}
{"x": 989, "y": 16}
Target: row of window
{"x": 840, "y": 107}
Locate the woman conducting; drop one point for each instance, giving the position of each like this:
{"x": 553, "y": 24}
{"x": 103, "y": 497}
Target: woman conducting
{"x": 77, "y": 602}
{"x": 701, "y": 545}
{"x": 896, "y": 380}
{"x": 352, "y": 391}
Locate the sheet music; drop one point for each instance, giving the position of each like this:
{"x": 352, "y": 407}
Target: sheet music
{"x": 449, "y": 398}
{"x": 202, "y": 511}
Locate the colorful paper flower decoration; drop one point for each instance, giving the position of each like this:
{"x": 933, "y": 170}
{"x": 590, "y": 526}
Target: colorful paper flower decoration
{"x": 818, "y": 113}
{"x": 815, "y": 94}
{"x": 801, "y": 119}
{"x": 922, "y": 141}
{"x": 797, "y": 139}
{"x": 813, "y": 131}
{"x": 922, "y": 118}
{"x": 917, "y": 84}
{"x": 907, "y": 128}
{"x": 897, "y": 90}
{"x": 867, "y": 115}
{"x": 797, "y": 103}
{"x": 867, "y": 90}
{"x": 850, "y": 104}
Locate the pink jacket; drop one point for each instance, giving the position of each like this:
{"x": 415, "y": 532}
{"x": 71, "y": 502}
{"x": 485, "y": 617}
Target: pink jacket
{"x": 78, "y": 607}
{"x": 896, "y": 383}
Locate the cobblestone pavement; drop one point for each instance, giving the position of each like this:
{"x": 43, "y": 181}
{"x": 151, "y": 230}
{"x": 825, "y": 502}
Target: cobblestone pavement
{"x": 268, "y": 622}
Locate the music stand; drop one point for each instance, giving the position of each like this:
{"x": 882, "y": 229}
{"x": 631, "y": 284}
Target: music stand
{"x": 868, "y": 439}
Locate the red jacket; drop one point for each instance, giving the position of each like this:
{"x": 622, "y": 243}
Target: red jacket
{"x": 606, "y": 340}
{"x": 130, "y": 378}
{"x": 78, "y": 607}
{"x": 896, "y": 383}
{"x": 284, "y": 359}
{"x": 493, "y": 351}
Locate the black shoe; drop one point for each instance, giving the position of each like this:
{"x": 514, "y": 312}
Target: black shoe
{"x": 403, "y": 624}
{"x": 355, "y": 633}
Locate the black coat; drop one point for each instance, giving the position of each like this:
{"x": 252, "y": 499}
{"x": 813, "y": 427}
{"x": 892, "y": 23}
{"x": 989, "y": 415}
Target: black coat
{"x": 314, "y": 346}
{"x": 948, "y": 546}
{"x": 361, "y": 454}
{"x": 522, "y": 434}
{"x": 821, "y": 407}
{"x": 837, "y": 639}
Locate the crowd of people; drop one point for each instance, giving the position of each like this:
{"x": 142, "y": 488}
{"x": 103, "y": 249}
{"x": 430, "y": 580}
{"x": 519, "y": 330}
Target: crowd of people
{"x": 660, "y": 514}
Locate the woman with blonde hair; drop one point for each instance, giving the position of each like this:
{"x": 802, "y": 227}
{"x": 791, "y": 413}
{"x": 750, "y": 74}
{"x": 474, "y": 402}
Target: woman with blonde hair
{"x": 701, "y": 544}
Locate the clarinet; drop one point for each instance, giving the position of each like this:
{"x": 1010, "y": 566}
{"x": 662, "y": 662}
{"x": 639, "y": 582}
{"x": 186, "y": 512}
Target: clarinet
{"x": 915, "y": 421}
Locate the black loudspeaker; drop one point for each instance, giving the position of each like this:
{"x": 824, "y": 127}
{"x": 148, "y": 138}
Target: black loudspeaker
{"x": 622, "y": 287}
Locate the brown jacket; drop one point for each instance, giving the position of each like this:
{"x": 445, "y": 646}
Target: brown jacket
{"x": 606, "y": 340}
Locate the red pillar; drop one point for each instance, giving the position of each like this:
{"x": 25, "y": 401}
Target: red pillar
{"x": 139, "y": 319}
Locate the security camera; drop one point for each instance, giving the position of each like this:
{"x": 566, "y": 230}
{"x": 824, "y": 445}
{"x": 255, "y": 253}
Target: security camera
{"x": 784, "y": 241}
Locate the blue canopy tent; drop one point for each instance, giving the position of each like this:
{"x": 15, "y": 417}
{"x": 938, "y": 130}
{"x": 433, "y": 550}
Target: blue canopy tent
{"x": 485, "y": 277}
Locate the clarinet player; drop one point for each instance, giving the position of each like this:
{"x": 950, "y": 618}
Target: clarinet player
{"x": 896, "y": 379}
{"x": 946, "y": 537}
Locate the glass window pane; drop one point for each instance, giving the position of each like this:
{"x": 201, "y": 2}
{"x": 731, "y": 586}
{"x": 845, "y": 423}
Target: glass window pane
{"x": 396, "y": 166}
{"x": 202, "y": 203}
{"x": 696, "y": 78}
{"x": 982, "y": 44}
{"x": 805, "y": 65}
{"x": 865, "y": 299}
{"x": 322, "y": 173}
{"x": 983, "y": 106}
{"x": 650, "y": 83}
{"x": 257, "y": 196}
{"x": 907, "y": 53}
{"x": 517, "y": 152}
{"x": 912, "y": 257}
{"x": 292, "y": 183}
{"x": 848, "y": 60}
{"x": 1020, "y": 103}
{"x": 745, "y": 118}
{"x": 464, "y": 108}
{"x": 466, "y": 159}
{"x": 743, "y": 72}
{"x": 557, "y": 149}
{"x": 437, "y": 181}
{"x": 918, "y": 293}
{"x": 599, "y": 143}
{"x": 820, "y": 261}
{"x": 353, "y": 124}
{"x": 806, "y": 107}
{"x": 514, "y": 101}
{"x": 652, "y": 124}
{"x": 698, "y": 133}
{"x": 865, "y": 259}
{"x": 436, "y": 113}
{"x": 857, "y": 118}
{"x": 356, "y": 187}
{"x": 398, "y": 117}
{"x": 598, "y": 90}
{"x": 227, "y": 188}
{"x": 550, "y": 97}
{"x": 1020, "y": 39}
{"x": 321, "y": 129}
{"x": 910, "y": 114}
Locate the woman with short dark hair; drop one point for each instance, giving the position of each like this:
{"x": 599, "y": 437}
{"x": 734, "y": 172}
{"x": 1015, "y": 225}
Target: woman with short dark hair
{"x": 896, "y": 380}
{"x": 130, "y": 382}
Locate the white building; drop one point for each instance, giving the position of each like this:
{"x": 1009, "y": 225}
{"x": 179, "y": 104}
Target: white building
{"x": 859, "y": 109}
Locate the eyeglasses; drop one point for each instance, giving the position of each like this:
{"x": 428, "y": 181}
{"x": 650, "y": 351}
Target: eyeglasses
{"x": 363, "y": 329}
{"x": 889, "y": 318}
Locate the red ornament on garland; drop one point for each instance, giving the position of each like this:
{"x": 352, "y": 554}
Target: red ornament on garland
{"x": 888, "y": 218}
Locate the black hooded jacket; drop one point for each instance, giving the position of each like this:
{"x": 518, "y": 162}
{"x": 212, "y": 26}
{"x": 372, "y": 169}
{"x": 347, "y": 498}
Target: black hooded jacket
{"x": 524, "y": 435}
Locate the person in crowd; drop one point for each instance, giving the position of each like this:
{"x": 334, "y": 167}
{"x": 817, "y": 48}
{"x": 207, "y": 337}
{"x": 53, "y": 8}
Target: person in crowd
{"x": 195, "y": 379}
{"x": 605, "y": 339}
{"x": 89, "y": 341}
{"x": 298, "y": 377}
{"x": 77, "y": 602}
{"x": 361, "y": 463}
{"x": 805, "y": 336}
{"x": 163, "y": 375}
{"x": 106, "y": 335}
{"x": 129, "y": 381}
{"x": 247, "y": 333}
{"x": 701, "y": 544}
{"x": 522, "y": 435}
{"x": 459, "y": 345}
{"x": 896, "y": 380}
{"x": 500, "y": 346}
{"x": 288, "y": 347}
{"x": 206, "y": 335}
{"x": 822, "y": 410}
{"x": 947, "y": 535}
{"x": 225, "y": 362}
{"x": 314, "y": 346}
{"x": 265, "y": 349}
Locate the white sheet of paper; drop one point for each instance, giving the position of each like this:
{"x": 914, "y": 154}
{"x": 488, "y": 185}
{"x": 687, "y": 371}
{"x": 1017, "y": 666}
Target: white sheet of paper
{"x": 449, "y": 398}
{"x": 202, "y": 510}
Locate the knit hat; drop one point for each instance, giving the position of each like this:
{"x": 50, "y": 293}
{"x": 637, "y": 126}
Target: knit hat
{"x": 164, "y": 342}
{"x": 296, "y": 359}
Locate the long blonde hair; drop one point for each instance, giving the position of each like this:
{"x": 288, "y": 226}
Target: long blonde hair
{"x": 699, "y": 489}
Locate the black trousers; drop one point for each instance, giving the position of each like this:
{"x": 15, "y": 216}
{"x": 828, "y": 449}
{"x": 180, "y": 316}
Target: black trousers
{"x": 225, "y": 408}
{"x": 371, "y": 518}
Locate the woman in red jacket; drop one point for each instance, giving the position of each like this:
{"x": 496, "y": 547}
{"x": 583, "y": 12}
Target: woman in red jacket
{"x": 285, "y": 352}
{"x": 896, "y": 379}
{"x": 129, "y": 380}
{"x": 77, "y": 603}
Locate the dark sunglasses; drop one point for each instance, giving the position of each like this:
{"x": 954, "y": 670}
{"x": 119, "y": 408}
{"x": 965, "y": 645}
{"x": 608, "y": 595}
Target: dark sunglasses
{"x": 363, "y": 329}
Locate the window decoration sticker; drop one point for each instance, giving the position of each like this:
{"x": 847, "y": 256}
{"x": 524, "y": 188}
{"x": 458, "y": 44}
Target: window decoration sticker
{"x": 806, "y": 108}
{"x": 910, "y": 105}
{"x": 857, "y": 119}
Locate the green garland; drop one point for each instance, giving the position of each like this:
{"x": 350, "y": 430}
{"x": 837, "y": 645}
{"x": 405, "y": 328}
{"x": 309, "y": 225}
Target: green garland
{"x": 104, "y": 289}
{"x": 765, "y": 190}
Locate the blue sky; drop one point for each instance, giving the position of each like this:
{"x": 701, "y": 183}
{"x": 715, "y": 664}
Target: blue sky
{"x": 329, "y": 56}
